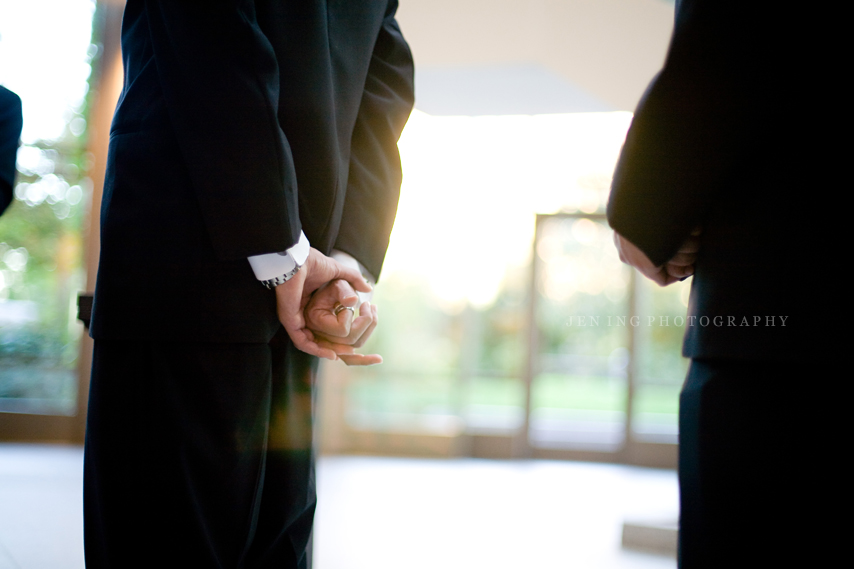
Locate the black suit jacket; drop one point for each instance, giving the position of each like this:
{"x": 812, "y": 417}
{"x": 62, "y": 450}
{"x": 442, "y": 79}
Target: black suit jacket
{"x": 242, "y": 122}
{"x": 11, "y": 123}
{"x": 725, "y": 139}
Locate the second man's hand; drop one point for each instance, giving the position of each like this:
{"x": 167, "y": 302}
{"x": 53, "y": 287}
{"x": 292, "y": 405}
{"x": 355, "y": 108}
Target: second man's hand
{"x": 293, "y": 296}
{"x": 680, "y": 267}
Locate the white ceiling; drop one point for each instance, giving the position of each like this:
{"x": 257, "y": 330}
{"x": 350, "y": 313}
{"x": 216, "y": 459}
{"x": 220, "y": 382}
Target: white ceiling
{"x": 512, "y": 89}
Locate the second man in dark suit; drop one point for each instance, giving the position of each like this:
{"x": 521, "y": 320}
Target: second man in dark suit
{"x": 712, "y": 180}
{"x": 11, "y": 124}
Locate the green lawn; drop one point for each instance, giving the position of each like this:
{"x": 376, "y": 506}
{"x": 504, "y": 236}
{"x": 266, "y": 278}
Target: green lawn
{"x": 443, "y": 393}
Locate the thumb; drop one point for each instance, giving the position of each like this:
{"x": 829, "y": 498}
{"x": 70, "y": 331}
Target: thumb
{"x": 354, "y": 277}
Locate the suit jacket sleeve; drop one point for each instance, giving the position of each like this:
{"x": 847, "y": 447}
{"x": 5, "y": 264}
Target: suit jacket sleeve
{"x": 11, "y": 123}
{"x": 690, "y": 127}
{"x": 373, "y": 185}
{"x": 220, "y": 80}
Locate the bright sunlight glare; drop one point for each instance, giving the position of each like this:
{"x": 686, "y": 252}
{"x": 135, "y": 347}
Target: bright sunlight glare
{"x": 44, "y": 55}
{"x": 473, "y": 185}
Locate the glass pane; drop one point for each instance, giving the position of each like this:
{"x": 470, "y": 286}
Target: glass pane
{"x": 453, "y": 293}
{"x": 45, "y": 57}
{"x": 413, "y": 389}
{"x": 495, "y": 406}
{"x": 579, "y": 394}
{"x": 659, "y": 366}
{"x": 446, "y": 370}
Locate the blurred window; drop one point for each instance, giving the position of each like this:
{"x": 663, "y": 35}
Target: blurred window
{"x": 579, "y": 368}
{"x": 46, "y": 55}
{"x": 606, "y": 365}
{"x": 454, "y": 301}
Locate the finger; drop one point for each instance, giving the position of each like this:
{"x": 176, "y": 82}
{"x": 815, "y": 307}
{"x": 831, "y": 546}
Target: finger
{"x": 325, "y": 322}
{"x": 343, "y": 292}
{"x": 320, "y": 269}
{"x": 370, "y": 329}
{"x": 336, "y": 323}
{"x": 361, "y": 324}
{"x": 632, "y": 255}
{"x": 339, "y": 349}
{"x": 364, "y": 323}
{"x": 683, "y": 259}
{"x": 362, "y": 359}
{"x": 658, "y": 276}
{"x": 357, "y": 329}
{"x": 326, "y": 315}
{"x": 353, "y": 277}
{"x": 309, "y": 344}
{"x": 350, "y": 340}
{"x": 343, "y": 309}
{"x": 319, "y": 319}
{"x": 326, "y": 325}
{"x": 345, "y": 315}
{"x": 679, "y": 271}
{"x": 304, "y": 341}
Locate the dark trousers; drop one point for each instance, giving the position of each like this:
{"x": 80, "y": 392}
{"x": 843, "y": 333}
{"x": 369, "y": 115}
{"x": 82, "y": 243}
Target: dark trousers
{"x": 752, "y": 460}
{"x": 199, "y": 455}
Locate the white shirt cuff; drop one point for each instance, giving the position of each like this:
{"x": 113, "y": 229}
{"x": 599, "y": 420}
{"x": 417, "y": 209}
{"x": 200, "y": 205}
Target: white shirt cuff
{"x": 272, "y": 265}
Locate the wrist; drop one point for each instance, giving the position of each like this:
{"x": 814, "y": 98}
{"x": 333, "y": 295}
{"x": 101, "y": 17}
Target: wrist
{"x": 281, "y": 279}
{"x": 273, "y": 269}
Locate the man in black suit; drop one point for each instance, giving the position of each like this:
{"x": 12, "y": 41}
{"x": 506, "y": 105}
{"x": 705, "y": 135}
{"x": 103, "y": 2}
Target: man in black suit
{"x": 710, "y": 182}
{"x": 246, "y": 129}
{"x": 11, "y": 124}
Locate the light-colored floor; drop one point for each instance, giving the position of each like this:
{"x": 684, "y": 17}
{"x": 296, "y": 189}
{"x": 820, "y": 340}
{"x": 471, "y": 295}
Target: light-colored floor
{"x": 388, "y": 513}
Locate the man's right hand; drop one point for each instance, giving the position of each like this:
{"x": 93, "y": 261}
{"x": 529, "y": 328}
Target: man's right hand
{"x": 293, "y": 296}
